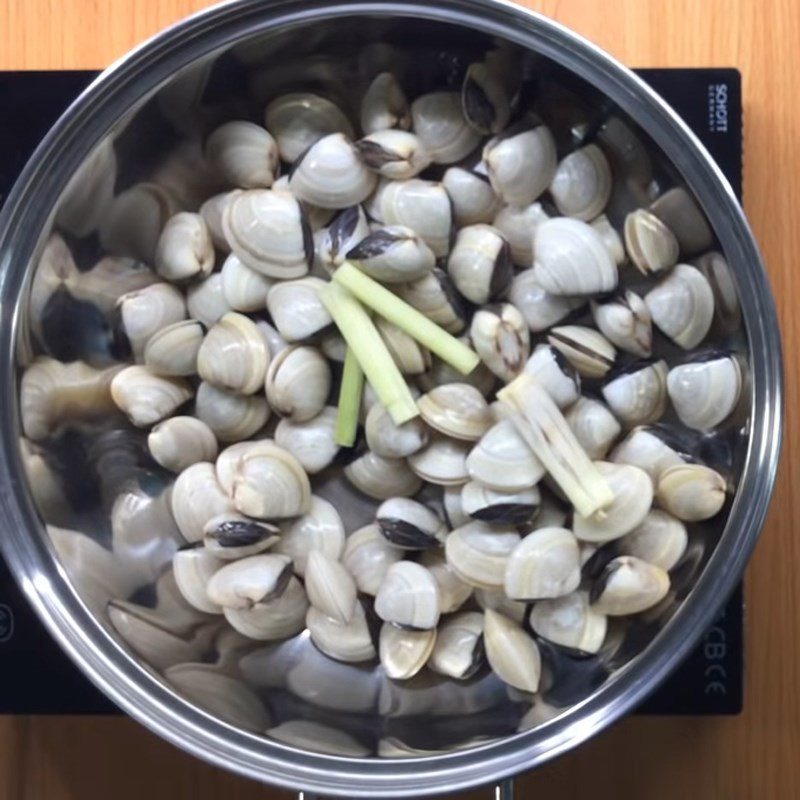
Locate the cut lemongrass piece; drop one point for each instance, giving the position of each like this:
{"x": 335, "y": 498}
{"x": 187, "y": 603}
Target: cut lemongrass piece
{"x": 540, "y": 423}
{"x": 349, "y": 401}
{"x": 375, "y": 360}
{"x": 391, "y": 307}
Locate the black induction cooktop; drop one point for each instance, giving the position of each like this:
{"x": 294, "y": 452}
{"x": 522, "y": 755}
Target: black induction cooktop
{"x": 37, "y": 678}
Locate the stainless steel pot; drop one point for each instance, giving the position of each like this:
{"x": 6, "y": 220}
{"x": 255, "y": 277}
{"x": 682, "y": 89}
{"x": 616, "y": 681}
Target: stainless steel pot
{"x": 177, "y": 83}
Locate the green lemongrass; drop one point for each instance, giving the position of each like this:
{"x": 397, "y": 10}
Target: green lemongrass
{"x": 541, "y": 424}
{"x": 350, "y": 393}
{"x": 406, "y": 317}
{"x": 373, "y": 357}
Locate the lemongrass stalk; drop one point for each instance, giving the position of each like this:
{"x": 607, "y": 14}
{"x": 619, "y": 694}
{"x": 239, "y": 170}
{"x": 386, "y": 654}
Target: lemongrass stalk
{"x": 415, "y": 324}
{"x": 350, "y": 393}
{"x": 373, "y": 357}
{"x": 541, "y": 424}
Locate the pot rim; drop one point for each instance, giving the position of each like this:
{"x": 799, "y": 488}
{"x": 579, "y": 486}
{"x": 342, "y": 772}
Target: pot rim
{"x": 137, "y": 690}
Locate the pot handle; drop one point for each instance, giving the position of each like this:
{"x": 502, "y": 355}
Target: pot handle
{"x": 503, "y": 791}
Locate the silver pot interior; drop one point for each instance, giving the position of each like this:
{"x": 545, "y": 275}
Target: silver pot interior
{"x": 289, "y": 691}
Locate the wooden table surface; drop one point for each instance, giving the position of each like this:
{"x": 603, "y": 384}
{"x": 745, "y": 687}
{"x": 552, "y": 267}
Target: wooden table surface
{"x": 755, "y": 755}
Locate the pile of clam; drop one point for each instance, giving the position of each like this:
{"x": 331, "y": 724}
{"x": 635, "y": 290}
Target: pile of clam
{"x": 532, "y": 499}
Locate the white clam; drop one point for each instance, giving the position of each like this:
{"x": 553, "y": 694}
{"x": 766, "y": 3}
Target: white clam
{"x": 320, "y": 528}
{"x": 147, "y": 398}
{"x": 651, "y": 245}
{"x": 691, "y": 492}
{"x": 625, "y": 321}
{"x": 384, "y": 105}
{"x": 628, "y": 585}
{"x": 570, "y": 258}
{"x": 298, "y": 383}
{"x": 439, "y": 122}
{"x": 268, "y": 232}
{"x": 503, "y": 461}
{"x": 231, "y": 536}
{"x": 540, "y": 309}
{"x": 458, "y": 652}
{"x": 251, "y": 580}
{"x": 474, "y": 201}
{"x": 637, "y": 394}
{"x": 594, "y": 426}
{"x": 230, "y": 416}
{"x": 311, "y": 442}
{"x": 458, "y": 410}
{"x": 453, "y": 592}
{"x": 394, "y": 154}
{"x": 660, "y": 539}
{"x": 442, "y": 461}
{"x": 704, "y": 393}
{"x": 682, "y": 306}
{"x": 480, "y": 263}
{"x": 521, "y": 165}
{"x": 403, "y": 653}
{"x": 173, "y": 350}
{"x": 142, "y": 313}
{"x": 193, "y": 569}
{"x": 178, "y": 442}
{"x": 296, "y": 309}
{"x": 368, "y": 556}
{"x": 184, "y": 249}
{"x": 350, "y": 642}
{"x": 588, "y": 351}
{"x": 570, "y": 621}
{"x": 330, "y": 587}
{"x": 545, "y": 564}
{"x": 269, "y": 620}
{"x": 633, "y": 496}
{"x": 196, "y": 498}
{"x": 244, "y": 288}
{"x": 517, "y": 508}
{"x": 408, "y": 597}
{"x": 645, "y": 448}
{"x": 518, "y": 224}
{"x": 331, "y": 175}
{"x": 512, "y": 654}
{"x": 479, "y": 553}
{"x": 205, "y": 301}
{"x": 234, "y": 355}
{"x": 497, "y": 600}
{"x": 582, "y": 183}
{"x": 243, "y": 154}
{"x": 382, "y": 478}
{"x": 410, "y": 524}
{"x": 554, "y": 374}
{"x": 385, "y": 438}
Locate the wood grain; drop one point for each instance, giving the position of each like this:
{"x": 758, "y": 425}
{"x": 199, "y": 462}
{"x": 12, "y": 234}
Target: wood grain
{"x": 752, "y": 756}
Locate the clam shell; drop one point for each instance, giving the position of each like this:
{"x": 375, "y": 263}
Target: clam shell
{"x": 439, "y": 122}
{"x": 296, "y": 309}
{"x": 232, "y": 536}
{"x": 196, "y": 498}
{"x": 193, "y": 569}
{"x": 458, "y": 652}
{"x": 346, "y": 230}
{"x": 393, "y": 254}
{"x": 456, "y": 409}
{"x": 408, "y": 597}
{"x": 178, "y": 442}
{"x": 677, "y": 209}
{"x": 298, "y": 383}
{"x": 625, "y": 321}
{"x": 521, "y": 165}
{"x": 611, "y": 239}
{"x": 385, "y": 438}
{"x": 243, "y": 154}
{"x": 173, "y": 350}
{"x": 141, "y": 314}
{"x": 394, "y": 154}
{"x": 545, "y": 564}
{"x": 478, "y": 553}
{"x": 511, "y": 653}
{"x": 251, "y": 580}
{"x": 436, "y": 297}
{"x": 554, "y": 374}
{"x": 267, "y": 231}
{"x": 409, "y": 356}
{"x": 442, "y": 461}
{"x": 628, "y": 585}
{"x": 382, "y": 478}
{"x": 516, "y": 508}
{"x": 409, "y": 524}
{"x": 278, "y": 618}
{"x": 453, "y": 592}
{"x": 231, "y": 417}
{"x": 368, "y": 556}
{"x": 594, "y": 426}
{"x": 660, "y": 539}
{"x": 638, "y": 394}
{"x": 423, "y": 206}
{"x": 582, "y": 183}
{"x": 384, "y": 105}
{"x": 570, "y": 621}
{"x": 184, "y": 249}
{"x": 480, "y": 263}
{"x": 471, "y": 195}
{"x": 643, "y": 448}
{"x": 311, "y": 442}
{"x": 243, "y": 288}
{"x": 330, "y": 587}
{"x": 321, "y": 528}
{"x": 403, "y": 653}
{"x": 539, "y": 308}
{"x": 330, "y": 174}
{"x": 350, "y": 642}
{"x": 147, "y": 398}
{"x": 502, "y": 460}
{"x": 300, "y": 119}
{"x": 651, "y": 245}
{"x": 518, "y": 225}
{"x": 691, "y": 492}
{"x": 586, "y": 349}
{"x": 234, "y": 355}
{"x": 705, "y": 393}
{"x": 497, "y": 600}
{"x": 570, "y": 258}
{"x": 682, "y": 306}
{"x": 633, "y": 496}
{"x": 205, "y": 301}
{"x": 212, "y": 212}
{"x": 485, "y": 98}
